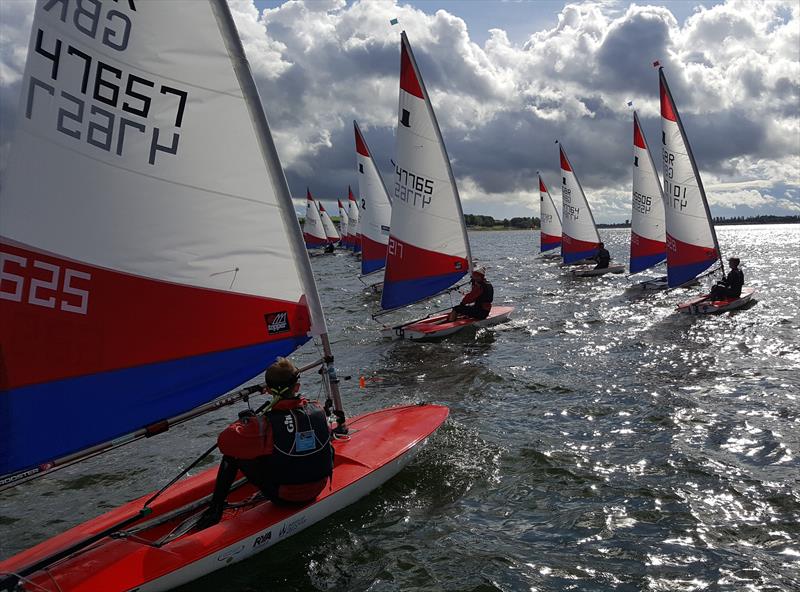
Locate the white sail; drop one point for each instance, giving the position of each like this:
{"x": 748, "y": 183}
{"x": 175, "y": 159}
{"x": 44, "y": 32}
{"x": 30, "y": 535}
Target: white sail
{"x": 327, "y": 224}
{"x": 579, "y": 233}
{"x": 648, "y": 235}
{"x": 691, "y": 241}
{"x": 313, "y": 230}
{"x": 549, "y": 220}
{"x": 376, "y": 208}
{"x": 428, "y": 248}
{"x": 143, "y": 191}
{"x": 344, "y": 224}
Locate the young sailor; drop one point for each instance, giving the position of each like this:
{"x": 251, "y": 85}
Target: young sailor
{"x": 602, "y": 258}
{"x": 286, "y": 452}
{"x": 478, "y": 303}
{"x": 731, "y": 285}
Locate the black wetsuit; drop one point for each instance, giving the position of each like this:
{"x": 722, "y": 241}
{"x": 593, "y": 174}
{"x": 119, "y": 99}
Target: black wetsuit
{"x": 730, "y": 286}
{"x": 603, "y": 258}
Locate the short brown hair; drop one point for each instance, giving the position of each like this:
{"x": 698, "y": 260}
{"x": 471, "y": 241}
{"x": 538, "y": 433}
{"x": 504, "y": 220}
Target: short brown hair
{"x": 282, "y": 374}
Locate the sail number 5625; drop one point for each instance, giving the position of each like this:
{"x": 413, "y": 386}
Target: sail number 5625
{"x": 42, "y": 284}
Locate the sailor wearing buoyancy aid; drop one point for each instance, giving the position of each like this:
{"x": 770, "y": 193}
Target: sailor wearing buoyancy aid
{"x": 286, "y": 452}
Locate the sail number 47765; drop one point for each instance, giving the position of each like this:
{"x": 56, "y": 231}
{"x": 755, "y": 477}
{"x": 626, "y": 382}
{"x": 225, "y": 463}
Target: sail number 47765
{"x": 44, "y": 284}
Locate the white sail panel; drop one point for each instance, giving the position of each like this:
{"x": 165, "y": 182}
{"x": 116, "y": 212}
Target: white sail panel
{"x": 150, "y": 256}
{"x": 313, "y": 230}
{"x": 100, "y": 130}
{"x": 648, "y": 230}
{"x": 344, "y": 223}
{"x": 579, "y": 233}
{"x": 327, "y": 224}
{"x": 549, "y": 219}
{"x": 691, "y": 241}
{"x": 428, "y": 248}
{"x": 376, "y": 208}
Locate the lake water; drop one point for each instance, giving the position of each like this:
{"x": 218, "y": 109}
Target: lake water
{"x": 598, "y": 441}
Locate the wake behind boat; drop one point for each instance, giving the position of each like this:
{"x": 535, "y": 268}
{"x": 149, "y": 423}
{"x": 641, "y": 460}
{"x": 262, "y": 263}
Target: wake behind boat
{"x": 152, "y": 300}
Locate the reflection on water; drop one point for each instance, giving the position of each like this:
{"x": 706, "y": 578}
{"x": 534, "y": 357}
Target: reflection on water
{"x": 598, "y": 441}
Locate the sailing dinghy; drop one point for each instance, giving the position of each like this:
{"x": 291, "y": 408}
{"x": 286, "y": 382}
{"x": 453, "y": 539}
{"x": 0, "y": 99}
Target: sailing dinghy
{"x": 692, "y": 245}
{"x": 648, "y": 234}
{"x": 122, "y": 310}
{"x": 550, "y": 222}
{"x": 313, "y": 231}
{"x": 428, "y": 250}
{"x": 330, "y": 230}
{"x": 580, "y": 240}
{"x": 354, "y": 227}
{"x": 344, "y": 223}
{"x": 376, "y": 214}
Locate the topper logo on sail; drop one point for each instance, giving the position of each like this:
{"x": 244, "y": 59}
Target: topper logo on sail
{"x": 277, "y": 322}
{"x": 48, "y": 285}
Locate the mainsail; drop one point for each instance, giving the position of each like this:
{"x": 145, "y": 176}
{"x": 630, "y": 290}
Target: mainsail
{"x": 428, "y": 246}
{"x": 330, "y": 230}
{"x": 344, "y": 223}
{"x": 313, "y": 230}
{"x": 376, "y": 208}
{"x": 550, "y": 220}
{"x": 579, "y": 235}
{"x": 692, "y": 245}
{"x": 153, "y": 282}
{"x": 354, "y": 226}
{"x": 648, "y": 238}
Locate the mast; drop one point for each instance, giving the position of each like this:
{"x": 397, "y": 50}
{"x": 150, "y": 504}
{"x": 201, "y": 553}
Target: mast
{"x": 413, "y": 60}
{"x": 694, "y": 165}
{"x": 252, "y": 98}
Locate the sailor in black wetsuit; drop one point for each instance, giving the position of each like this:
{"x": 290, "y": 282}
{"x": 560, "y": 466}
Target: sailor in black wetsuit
{"x": 731, "y": 285}
{"x": 478, "y": 303}
{"x": 603, "y": 257}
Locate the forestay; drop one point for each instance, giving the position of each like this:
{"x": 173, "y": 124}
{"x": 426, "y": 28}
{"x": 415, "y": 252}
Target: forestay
{"x": 354, "y": 226}
{"x": 330, "y": 230}
{"x": 376, "y": 208}
{"x": 153, "y": 282}
{"x": 579, "y": 235}
{"x": 428, "y": 247}
{"x": 550, "y": 220}
{"x": 648, "y": 239}
{"x": 313, "y": 230}
{"x": 691, "y": 241}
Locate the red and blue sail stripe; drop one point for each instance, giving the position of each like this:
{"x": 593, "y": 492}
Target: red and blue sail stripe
{"x": 645, "y": 253}
{"x": 686, "y": 261}
{"x": 415, "y": 273}
{"x": 313, "y": 242}
{"x": 145, "y": 350}
{"x": 548, "y": 242}
{"x": 573, "y": 250}
{"x": 373, "y": 255}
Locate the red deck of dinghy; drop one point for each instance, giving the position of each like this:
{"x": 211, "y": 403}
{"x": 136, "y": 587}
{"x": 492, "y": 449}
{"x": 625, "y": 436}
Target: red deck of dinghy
{"x": 376, "y": 447}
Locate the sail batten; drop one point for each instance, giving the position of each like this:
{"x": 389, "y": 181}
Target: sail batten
{"x": 161, "y": 277}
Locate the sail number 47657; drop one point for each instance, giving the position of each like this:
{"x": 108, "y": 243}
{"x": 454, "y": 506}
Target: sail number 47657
{"x": 44, "y": 284}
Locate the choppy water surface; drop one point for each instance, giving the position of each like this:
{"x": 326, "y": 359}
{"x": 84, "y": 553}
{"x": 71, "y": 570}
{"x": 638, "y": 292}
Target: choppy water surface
{"x": 597, "y": 442}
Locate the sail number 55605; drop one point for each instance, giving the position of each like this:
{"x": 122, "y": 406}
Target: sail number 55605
{"x": 42, "y": 284}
